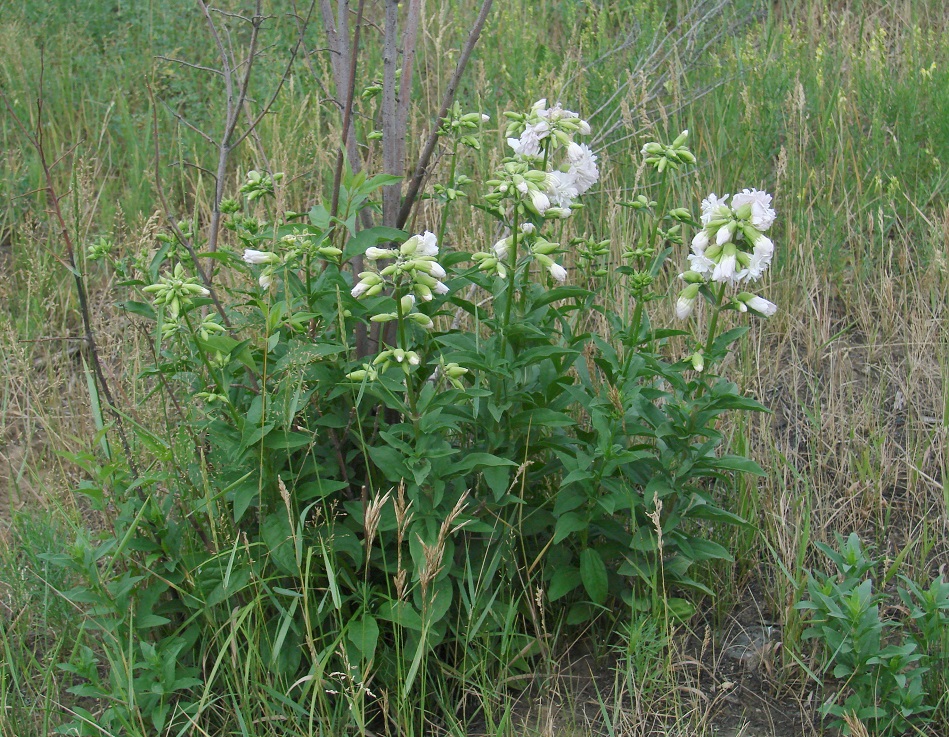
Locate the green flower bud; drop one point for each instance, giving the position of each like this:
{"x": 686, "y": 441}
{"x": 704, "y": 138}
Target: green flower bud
{"x": 698, "y": 361}
{"x": 423, "y": 320}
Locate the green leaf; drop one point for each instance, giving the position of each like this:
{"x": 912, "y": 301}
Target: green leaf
{"x": 541, "y": 417}
{"x": 244, "y": 493}
{"x": 553, "y": 295}
{"x": 733, "y": 463}
{"x": 477, "y": 460}
{"x": 567, "y": 524}
{"x": 401, "y": 613}
{"x": 372, "y": 237}
{"x": 318, "y": 489}
{"x": 277, "y": 534}
{"x": 564, "y": 580}
{"x": 142, "y": 309}
{"x": 364, "y": 634}
{"x": 288, "y": 440}
{"x": 593, "y": 574}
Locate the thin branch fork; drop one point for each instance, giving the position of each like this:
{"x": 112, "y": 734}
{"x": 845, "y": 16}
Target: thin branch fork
{"x": 425, "y": 156}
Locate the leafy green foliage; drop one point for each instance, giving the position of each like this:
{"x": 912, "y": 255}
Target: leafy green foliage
{"x": 882, "y": 667}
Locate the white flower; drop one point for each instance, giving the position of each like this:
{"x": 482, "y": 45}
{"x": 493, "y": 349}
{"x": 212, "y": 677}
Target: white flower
{"x": 700, "y": 242}
{"x": 440, "y": 288}
{"x": 373, "y": 253}
{"x": 527, "y": 228}
{"x": 725, "y": 269}
{"x": 711, "y": 206}
{"x": 437, "y": 271}
{"x": 501, "y": 247}
{"x": 360, "y": 289}
{"x": 762, "y": 216}
{"x": 529, "y": 142}
{"x": 725, "y": 233}
{"x": 758, "y": 304}
{"x": 557, "y": 112}
{"x": 558, "y": 272}
{"x": 760, "y": 258}
{"x": 260, "y": 257}
{"x": 701, "y": 264}
{"x": 562, "y": 188}
{"x": 684, "y": 307}
{"x": 685, "y": 304}
{"x": 485, "y": 117}
{"x": 582, "y": 166}
{"x": 265, "y": 280}
{"x": 428, "y": 244}
{"x": 540, "y": 201}
{"x": 584, "y": 129}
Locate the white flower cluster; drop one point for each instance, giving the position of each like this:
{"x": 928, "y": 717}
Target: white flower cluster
{"x": 538, "y": 183}
{"x": 541, "y": 131}
{"x": 295, "y": 247}
{"x": 415, "y": 266}
{"x": 732, "y": 249}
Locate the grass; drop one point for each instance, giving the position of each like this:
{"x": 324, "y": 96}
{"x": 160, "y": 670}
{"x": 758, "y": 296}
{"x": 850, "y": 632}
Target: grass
{"x": 840, "y": 109}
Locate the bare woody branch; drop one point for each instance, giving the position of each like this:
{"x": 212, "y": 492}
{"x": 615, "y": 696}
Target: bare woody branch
{"x": 425, "y": 156}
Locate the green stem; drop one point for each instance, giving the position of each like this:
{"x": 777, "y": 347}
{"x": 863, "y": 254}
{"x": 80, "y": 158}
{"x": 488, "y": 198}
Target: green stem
{"x": 451, "y": 186}
{"x": 511, "y": 280}
{"x": 713, "y": 325}
{"x": 402, "y": 340}
{"x": 207, "y": 365}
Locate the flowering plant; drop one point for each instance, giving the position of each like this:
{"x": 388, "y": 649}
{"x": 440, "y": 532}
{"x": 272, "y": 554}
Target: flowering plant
{"x": 406, "y": 442}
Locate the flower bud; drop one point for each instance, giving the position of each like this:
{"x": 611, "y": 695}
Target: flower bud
{"x": 558, "y": 272}
{"x": 407, "y": 303}
{"x": 698, "y": 361}
{"x": 759, "y": 305}
{"x": 542, "y": 245}
{"x": 423, "y": 320}
{"x": 374, "y": 254}
{"x": 252, "y": 256}
{"x": 700, "y": 241}
{"x": 557, "y": 212}
{"x": 424, "y": 293}
{"x": 692, "y": 277}
{"x": 743, "y": 212}
{"x": 685, "y": 303}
